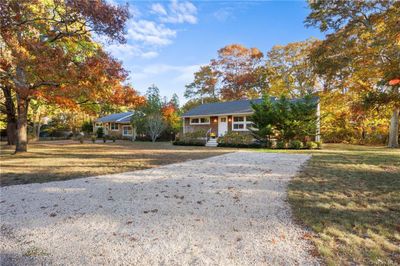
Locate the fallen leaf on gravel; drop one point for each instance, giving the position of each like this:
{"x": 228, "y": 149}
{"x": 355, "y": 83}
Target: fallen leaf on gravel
{"x": 53, "y": 214}
{"x": 129, "y": 222}
{"x": 155, "y": 210}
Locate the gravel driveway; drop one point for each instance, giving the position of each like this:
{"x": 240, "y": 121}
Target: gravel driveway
{"x": 225, "y": 210}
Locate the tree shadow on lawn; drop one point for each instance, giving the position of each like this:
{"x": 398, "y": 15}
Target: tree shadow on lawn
{"x": 352, "y": 201}
{"x": 44, "y": 165}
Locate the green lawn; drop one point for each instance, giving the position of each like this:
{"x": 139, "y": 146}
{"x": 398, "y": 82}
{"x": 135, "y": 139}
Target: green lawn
{"x": 350, "y": 197}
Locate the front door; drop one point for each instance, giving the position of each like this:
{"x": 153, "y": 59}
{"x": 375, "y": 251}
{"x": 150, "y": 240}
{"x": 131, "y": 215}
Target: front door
{"x": 222, "y": 125}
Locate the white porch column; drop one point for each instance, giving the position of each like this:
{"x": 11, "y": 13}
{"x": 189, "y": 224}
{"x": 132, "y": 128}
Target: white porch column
{"x": 318, "y": 135}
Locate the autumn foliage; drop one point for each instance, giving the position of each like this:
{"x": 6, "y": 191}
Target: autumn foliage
{"x": 48, "y": 52}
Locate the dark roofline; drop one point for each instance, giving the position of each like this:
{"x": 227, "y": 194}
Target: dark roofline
{"x": 227, "y": 108}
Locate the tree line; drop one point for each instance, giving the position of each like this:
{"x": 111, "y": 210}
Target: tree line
{"x": 48, "y": 55}
{"x": 355, "y": 71}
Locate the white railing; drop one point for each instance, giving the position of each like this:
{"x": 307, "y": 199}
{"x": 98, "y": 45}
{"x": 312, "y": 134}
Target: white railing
{"x": 208, "y": 135}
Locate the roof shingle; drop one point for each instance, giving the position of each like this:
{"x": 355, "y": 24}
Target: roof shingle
{"x": 119, "y": 118}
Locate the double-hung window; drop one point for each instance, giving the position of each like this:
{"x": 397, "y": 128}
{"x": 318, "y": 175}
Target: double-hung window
{"x": 241, "y": 123}
{"x": 127, "y": 130}
{"x": 114, "y": 126}
{"x": 200, "y": 121}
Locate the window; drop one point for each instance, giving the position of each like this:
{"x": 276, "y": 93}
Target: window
{"x": 114, "y": 126}
{"x": 99, "y": 125}
{"x": 200, "y": 121}
{"x": 127, "y": 130}
{"x": 223, "y": 119}
{"x": 241, "y": 123}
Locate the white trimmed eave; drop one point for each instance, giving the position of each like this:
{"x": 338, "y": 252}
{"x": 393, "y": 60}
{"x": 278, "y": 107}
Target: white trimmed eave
{"x": 233, "y": 114}
{"x": 116, "y": 121}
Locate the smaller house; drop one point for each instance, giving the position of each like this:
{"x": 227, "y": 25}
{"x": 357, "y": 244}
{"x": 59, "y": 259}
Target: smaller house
{"x": 118, "y": 125}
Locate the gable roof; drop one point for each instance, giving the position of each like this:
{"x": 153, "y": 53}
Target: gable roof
{"x": 232, "y": 107}
{"x": 223, "y": 108}
{"x": 116, "y": 118}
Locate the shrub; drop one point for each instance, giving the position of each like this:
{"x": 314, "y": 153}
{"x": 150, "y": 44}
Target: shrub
{"x": 113, "y": 138}
{"x": 190, "y": 142}
{"x": 239, "y": 145}
{"x": 87, "y": 126}
{"x": 100, "y": 132}
{"x": 281, "y": 145}
{"x": 105, "y": 137}
{"x": 236, "y": 139}
{"x": 295, "y": 144}
{"x": 311, "y": 145}
{"x": 196, "y": 138}
{"x": 319, "y": 144}
{"x": 93, "y": 138}
{"x": 196, "y": 134}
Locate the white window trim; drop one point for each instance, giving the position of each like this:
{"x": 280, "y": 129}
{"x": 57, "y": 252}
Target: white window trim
{"x": 244, "y": 123}
{"x": 114, "y": 125}
{"x": 207, "y": 123}
{"x": 123, "y": 132}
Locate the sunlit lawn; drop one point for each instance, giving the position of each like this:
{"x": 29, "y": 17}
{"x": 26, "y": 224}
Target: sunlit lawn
{"x": 62, "y": 160}
{"x": 350, "y": 196}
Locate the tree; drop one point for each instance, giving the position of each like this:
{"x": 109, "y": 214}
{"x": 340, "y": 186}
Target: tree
{"x": 289, "y": 70}
{"x": 155, "y": 125}
{"x": 8, "y": 107}
{"x": 52, "y": 53}
{"x": 171, "y": 115}
{"x": 361, "y": 51}
{"x": 284, "y": 118}
{"x": 237, "y": 67}
{"x": 204, "y": 84}
{"x": 148, "y": 118}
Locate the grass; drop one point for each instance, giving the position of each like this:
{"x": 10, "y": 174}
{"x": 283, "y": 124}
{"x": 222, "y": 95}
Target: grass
{"x": 350, "y": 197}
{"x": 63, "y": 160}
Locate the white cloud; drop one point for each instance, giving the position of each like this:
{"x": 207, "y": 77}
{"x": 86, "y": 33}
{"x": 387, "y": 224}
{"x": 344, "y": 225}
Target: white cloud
{"x": 180, "y": 73}
{"x": 178, "y": 12}
{"x": 150, "y": 33}
{"x": 158, "y": 9}
{"x": 223, "y": 14}
{"x": 124, "y": 51}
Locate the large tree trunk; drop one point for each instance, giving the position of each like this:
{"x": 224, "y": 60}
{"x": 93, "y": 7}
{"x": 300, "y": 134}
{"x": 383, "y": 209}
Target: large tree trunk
{"x": 22, "y": 124}
{"x": 394, "y": 129}
{"x": 11, "y": 116}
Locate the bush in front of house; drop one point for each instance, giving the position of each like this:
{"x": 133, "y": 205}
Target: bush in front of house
{"x": 295, "y": 144}
{"x": 190, "y": 142}
{"x": 235, "y": 138}
{"x": 311, "y": 145}
{"x": 93, "y": 138}
{"x": 196, "y": 138}
{"x": 198, "y": 134}
{"x": 281, "y": 144}
{"x": 100, "y": 132}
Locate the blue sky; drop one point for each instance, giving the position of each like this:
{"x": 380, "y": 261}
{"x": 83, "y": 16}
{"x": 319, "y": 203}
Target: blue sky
{"x": 169, "y": 40}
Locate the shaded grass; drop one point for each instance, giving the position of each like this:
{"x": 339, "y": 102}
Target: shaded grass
{"x": 63, "y": 160}
{"x": 350, "y": 197}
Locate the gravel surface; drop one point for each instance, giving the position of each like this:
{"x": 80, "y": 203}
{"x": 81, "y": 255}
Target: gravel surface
{"x": 224, "y": 210}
